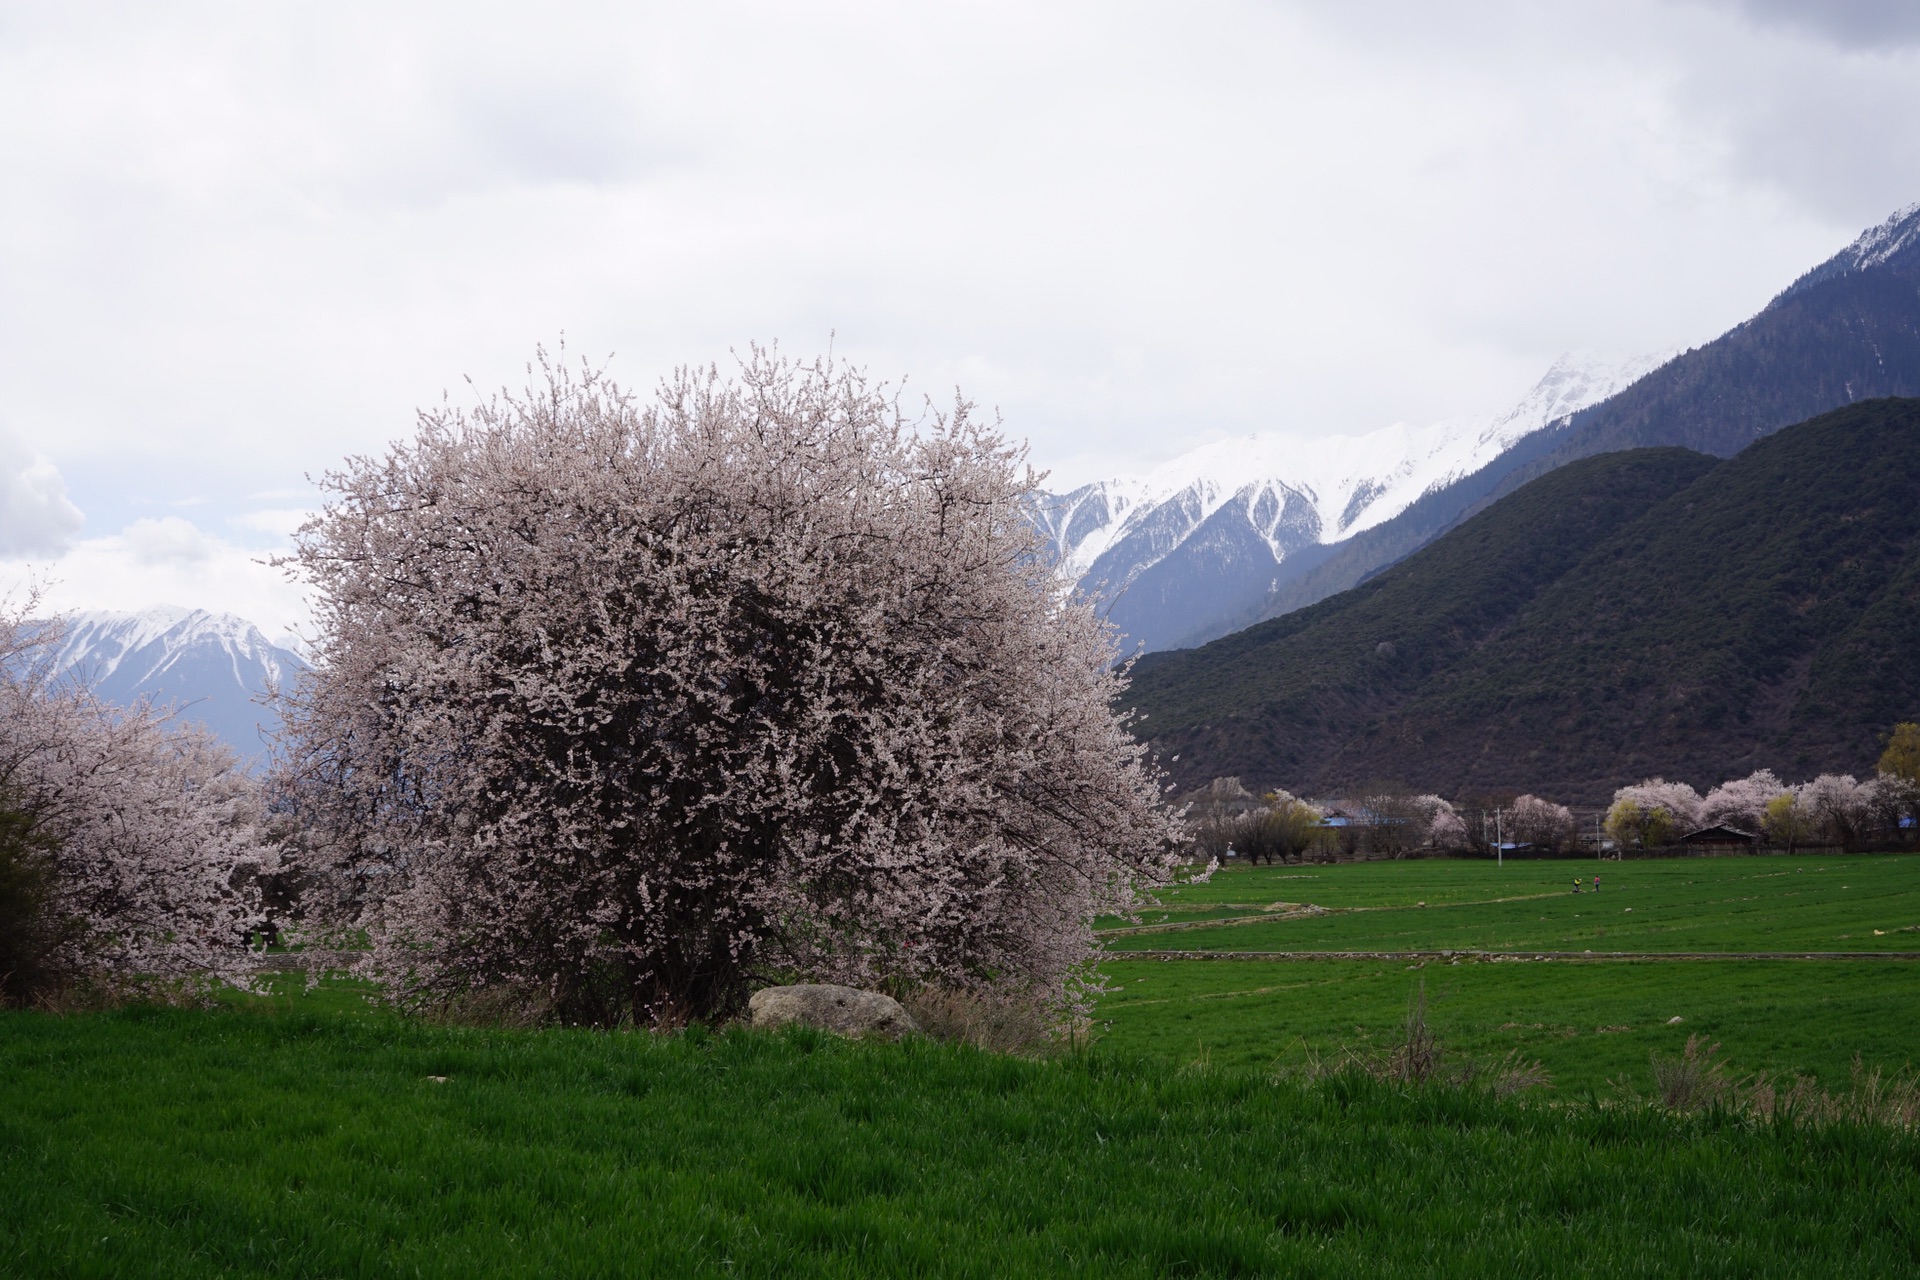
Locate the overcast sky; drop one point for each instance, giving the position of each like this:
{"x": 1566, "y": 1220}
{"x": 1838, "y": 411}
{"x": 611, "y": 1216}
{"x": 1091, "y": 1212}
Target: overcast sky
{"x": 240, "y": 241}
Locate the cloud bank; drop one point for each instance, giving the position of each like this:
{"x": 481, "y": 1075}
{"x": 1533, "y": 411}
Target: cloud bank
{"x": 238, "y": 243}
{"x": 36, "y": 516}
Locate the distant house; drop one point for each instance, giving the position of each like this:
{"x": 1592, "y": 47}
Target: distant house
{"x": 1357, "y": 816}
{"x": 1719, "y": 839}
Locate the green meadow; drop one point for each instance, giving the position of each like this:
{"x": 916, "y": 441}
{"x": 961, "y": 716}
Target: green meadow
{"x": 1214, "y": 1124}
{"x": 284, "y": 1142}
{"x": 1591, "y": 1025}
{"x": 1743, "y": 904}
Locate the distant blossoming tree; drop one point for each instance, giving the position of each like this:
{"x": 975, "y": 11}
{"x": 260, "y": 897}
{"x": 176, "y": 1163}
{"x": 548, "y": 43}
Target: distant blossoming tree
{"x": 1651, "y": 813}
{"x": 128, "y": 847}
{"x": 635, "y": 705}
{"x": 1838, "y": 808}
{"x": 1448, "y": 830}
{"x": 1395, "y": 820}
{"x": 1742, "y": 803}
{"x": 1541, "y": 823}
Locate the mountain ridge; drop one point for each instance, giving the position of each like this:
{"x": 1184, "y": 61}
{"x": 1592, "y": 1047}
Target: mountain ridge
{"x": 1185, "y": 551}
{"x": 1761, "y": 611}
{"x": 212, "y": 668}
{"x": 1844, "y": 331}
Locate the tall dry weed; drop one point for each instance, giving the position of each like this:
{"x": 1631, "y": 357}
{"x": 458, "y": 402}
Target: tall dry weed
{"x": 1699, "y": 1079}
{"x": 998, "y": 1023}
{"x": 1418, "y": 1058}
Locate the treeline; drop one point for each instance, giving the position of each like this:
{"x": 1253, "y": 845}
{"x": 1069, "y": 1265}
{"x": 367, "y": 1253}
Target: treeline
{"x": 1383, "y": 821}
{"x": 1831, "y": 810}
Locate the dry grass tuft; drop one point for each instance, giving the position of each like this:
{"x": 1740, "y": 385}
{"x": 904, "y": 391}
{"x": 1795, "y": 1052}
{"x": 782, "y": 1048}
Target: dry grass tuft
{"x": 1700, "y": 1080}
{"x": 999, "y": 1023}
{"x": 1418, "y": 1058}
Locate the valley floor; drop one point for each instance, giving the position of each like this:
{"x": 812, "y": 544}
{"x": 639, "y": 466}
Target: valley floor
{"x": 1199, "y": 1134}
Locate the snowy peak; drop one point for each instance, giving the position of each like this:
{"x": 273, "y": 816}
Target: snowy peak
{"x": 1892, "y": 245}
{"x": 96, "y": 646}
{"x": 213, "y": 668}
{"x": 1297, "y": 491}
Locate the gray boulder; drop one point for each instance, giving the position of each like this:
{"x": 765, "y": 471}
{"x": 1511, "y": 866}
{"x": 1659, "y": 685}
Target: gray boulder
{"x": 845, "y": 1011}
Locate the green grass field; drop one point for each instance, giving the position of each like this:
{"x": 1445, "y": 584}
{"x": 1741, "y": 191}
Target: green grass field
{"x": 1868, "y": 903}
{"x": 286, "y": 1143}
{"x": 311, "y": 1135}
{"x": 1586, "y": 1024}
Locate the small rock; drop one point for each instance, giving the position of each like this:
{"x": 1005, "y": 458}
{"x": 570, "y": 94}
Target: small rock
{"x": 1675, "y": 1021}
{"x": 845, "y": 1011}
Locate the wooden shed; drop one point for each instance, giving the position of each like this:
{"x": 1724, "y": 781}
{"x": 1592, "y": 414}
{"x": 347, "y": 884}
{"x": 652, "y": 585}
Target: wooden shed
{"x": 1720, "y": 839}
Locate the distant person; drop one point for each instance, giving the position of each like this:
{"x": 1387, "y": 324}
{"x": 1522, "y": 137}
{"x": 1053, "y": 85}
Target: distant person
{"x": 1576, "y": 884}
{"x": 1596, "y": 882}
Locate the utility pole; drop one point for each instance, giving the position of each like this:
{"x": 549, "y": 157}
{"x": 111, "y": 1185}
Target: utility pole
{"x": 1499, "y": 839}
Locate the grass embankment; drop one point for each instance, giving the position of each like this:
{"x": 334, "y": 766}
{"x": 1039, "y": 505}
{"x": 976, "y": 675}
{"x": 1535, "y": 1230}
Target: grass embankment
{"x": 285, "y": 1142}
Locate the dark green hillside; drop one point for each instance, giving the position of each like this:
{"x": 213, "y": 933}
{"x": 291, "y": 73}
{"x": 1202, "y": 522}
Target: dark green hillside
{"x": 1764, "y": 611}
{"x": 1314, "y": 674}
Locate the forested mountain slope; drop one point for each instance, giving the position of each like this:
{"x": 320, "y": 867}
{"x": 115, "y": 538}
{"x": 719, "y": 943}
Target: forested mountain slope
{"x": 1845, "y": 332}
{"x": 1635, "y": 613}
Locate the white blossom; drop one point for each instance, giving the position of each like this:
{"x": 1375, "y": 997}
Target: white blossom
{"x": 638, "y": 705}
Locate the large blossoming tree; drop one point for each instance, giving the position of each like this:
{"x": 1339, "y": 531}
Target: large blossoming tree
{"x": 635, "y": 705}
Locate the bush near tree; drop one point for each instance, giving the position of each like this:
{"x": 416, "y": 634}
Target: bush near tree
{"x": 635, "y": 706}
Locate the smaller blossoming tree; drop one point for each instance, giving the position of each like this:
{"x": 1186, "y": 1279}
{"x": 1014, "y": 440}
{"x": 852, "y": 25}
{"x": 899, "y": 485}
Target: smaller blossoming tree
{"x": 128, "y": 847}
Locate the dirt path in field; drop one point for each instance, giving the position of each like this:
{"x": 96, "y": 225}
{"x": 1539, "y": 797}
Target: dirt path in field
{"x": 1299, "y": 911}
{"x": 1580, "y": 957}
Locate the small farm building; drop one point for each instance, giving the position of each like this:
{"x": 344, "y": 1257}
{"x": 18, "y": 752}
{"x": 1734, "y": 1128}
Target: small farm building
{"x": 1719, "y": 839}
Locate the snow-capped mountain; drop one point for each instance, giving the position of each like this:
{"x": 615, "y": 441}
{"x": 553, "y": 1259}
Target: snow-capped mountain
{"x": 1182, "y": 553}
{"x": 1895, "y": 242}
{"x": 211, "y": 667}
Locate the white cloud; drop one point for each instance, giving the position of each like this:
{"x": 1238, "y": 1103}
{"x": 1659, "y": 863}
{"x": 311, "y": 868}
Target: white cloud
{"x": 167, "y": 542}
{"x": 279, "y": 522}
{"x": 164, "y": 561}
{"x": 36, "y": 516}
{"x": 240, "y": 242}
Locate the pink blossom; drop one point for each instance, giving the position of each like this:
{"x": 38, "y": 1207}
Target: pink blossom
{"x": 638, "y": 705}
{"x": 1541, "y": 822}
{"x": 150, "y": 828}
{"x": 1742, "y": 803}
